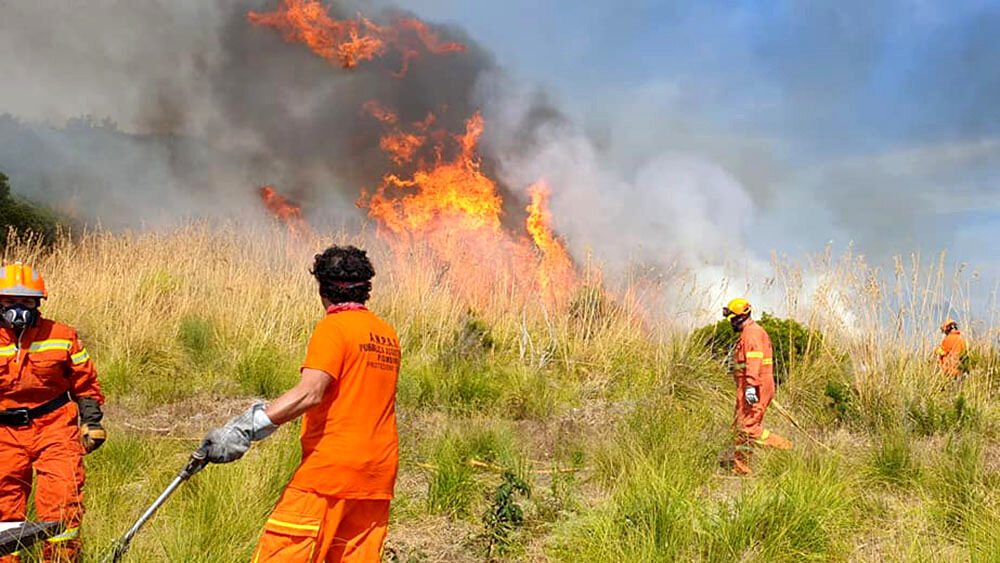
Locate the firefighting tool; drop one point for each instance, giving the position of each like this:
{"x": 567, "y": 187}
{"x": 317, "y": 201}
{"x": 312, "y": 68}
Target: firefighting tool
{"x": 195, "y": 464}
{"x": 788, "y": 416}
{"x": 15, "y": 536}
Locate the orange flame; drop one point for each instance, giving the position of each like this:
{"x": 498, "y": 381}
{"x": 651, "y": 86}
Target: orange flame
{"x": 446, "y": 195}
{"x": 450, "y": 204}
{"x": 437, "y": 202}
{"x": 285, "y": 211}
{"x": 349, "y": 42}
{"x": 556, "y": 273}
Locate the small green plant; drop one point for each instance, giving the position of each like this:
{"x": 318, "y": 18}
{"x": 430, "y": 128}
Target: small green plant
{"x": 197, "y": 336}
{"x": 892, "y": 461}
{"x": 504, "y": 514}
{"x": 841, "y": 401}
{"x": 931, "y": 415}
{"x": 264, "y": 372}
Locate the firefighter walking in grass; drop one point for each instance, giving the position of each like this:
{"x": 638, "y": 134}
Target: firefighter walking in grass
{"x": 50, "y": 413}
{"x": 951, "y": 354}
{"x": 336, "y": 507}
{"x": 753, "y": 372}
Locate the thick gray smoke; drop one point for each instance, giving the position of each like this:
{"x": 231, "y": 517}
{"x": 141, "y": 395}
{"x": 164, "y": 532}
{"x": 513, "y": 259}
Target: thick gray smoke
{"x": 190, "y": 107}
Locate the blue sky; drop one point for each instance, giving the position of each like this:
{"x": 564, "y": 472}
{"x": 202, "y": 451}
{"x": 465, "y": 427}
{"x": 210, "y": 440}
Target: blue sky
{"x": 872, "y": 122}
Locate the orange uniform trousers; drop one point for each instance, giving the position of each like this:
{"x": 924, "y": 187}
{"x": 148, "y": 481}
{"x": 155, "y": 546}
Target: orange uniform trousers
{"x": 51, "y": 447}
{"x": 749, "y": 425}
{"x": 307, "y": 527}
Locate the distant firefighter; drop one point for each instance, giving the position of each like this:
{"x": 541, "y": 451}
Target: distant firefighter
{"x": 951, "y": 354}
{"x": 50, "y": 413}
{"x": 753, "y": 372}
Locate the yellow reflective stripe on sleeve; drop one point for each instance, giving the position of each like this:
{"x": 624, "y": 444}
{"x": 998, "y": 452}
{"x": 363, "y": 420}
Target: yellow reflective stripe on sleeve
{"x": 80, "y": 357}
{"x": 47, "y": 345}
{"x": 768, "y": 361}
{"x": 757, "y": 355}
{"x": 740, "y": 365}
{"x": 309, "y": 527}
{"x": 70, "y": 534}
{"x": 763, "y": 438}
{"x": 8, "y": 351}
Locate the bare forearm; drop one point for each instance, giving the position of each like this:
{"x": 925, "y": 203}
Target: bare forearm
{"x": 296, "y": 401}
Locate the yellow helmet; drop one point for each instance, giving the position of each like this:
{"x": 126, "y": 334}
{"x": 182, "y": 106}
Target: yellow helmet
{"x": 738, "y": 306}
{"x": 948, "y": 323}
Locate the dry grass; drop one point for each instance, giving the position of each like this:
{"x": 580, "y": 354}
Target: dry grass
{"x": 601, "y": 403}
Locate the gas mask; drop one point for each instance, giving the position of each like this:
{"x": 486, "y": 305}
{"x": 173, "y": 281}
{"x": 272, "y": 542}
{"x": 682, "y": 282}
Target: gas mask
{"x": 735, "y": 321}
{"x": 18, "y": 317}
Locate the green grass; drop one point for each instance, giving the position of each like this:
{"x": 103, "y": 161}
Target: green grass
{"x": 614, "y": 419}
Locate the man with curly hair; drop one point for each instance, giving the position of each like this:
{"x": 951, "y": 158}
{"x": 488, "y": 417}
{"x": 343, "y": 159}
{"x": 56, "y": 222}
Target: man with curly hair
{"x": 336, "y": 507}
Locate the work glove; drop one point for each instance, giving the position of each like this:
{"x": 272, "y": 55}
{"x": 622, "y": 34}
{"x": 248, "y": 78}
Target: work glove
{"x": 230, "y": 442}
{"x": 750, "y": 394}
{"x": 92, "y": 433}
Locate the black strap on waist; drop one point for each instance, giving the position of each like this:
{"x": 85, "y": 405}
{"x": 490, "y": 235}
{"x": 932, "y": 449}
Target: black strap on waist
{"x": 24, "y": 416}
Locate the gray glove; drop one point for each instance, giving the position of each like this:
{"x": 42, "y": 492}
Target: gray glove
{"x": 230, "y": 442}
{"x": 750, "y": 394}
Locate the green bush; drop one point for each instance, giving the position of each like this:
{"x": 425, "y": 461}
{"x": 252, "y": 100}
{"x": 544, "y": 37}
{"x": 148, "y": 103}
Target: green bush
{"x": 792, "y": 342}
{"x": 932, "y": 415}
{"x": 24, "y": 216}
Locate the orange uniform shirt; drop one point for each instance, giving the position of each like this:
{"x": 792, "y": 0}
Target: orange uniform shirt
{"x": 754, "y": 357}
{"x": 950, "y": 352}
{"x": 47, "y": 361}
{"x": 350, "y": 448}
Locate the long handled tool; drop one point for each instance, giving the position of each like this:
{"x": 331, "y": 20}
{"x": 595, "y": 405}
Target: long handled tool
{"x": 15, "y": 536}
{"x": 788, "y": 416}
{"x": 195, "y": 464}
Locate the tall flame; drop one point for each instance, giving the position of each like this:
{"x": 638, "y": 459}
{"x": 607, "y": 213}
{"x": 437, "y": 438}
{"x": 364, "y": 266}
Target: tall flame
{"x": 349, "y": 42}
{"x": 556, "y": 273}
{"x": 447, "y": 194}
{"x": 435, "y": 201}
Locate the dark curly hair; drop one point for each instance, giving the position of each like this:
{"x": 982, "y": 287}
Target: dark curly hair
{"x": 344, "y": 274}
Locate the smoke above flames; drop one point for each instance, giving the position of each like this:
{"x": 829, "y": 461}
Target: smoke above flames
{"x": 333, "y": 109}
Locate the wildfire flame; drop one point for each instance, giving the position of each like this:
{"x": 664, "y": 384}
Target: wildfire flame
{"x": 436, "y": 201}
{"x": 285, "y": 211}
{"x": 444, "y": 195}
{"x": 557, "y": 272}
{"x": 349, "y": 42}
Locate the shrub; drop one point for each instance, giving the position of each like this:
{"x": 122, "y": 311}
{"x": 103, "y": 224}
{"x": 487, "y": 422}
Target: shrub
{"x": 791, "y": 341}
{"x": 25, "y": 217}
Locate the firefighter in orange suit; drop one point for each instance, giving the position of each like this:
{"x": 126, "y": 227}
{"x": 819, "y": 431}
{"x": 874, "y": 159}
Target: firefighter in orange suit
{"x": 754, "y": 375}
{"x": 336, "y": 507}
{"x": 50, "y": 413}
{"x": 951, "y": 353}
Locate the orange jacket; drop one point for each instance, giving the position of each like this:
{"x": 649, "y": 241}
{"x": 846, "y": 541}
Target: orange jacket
{"x": 47, "y": 361}
{"x": 754, "y": 357}
{"x": 950, "y": 352}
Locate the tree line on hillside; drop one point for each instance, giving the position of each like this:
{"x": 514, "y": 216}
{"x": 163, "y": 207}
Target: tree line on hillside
{"x": 18, "y": 214}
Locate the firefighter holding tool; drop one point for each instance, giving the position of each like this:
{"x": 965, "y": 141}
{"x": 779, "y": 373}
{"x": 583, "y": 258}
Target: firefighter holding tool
{"x": 50, "y": 413}
{"x": 754, "y": 375}
{"x": 336, "y": 507}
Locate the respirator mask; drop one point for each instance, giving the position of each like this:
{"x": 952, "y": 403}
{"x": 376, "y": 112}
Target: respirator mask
{"x": 18, "y": 317}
